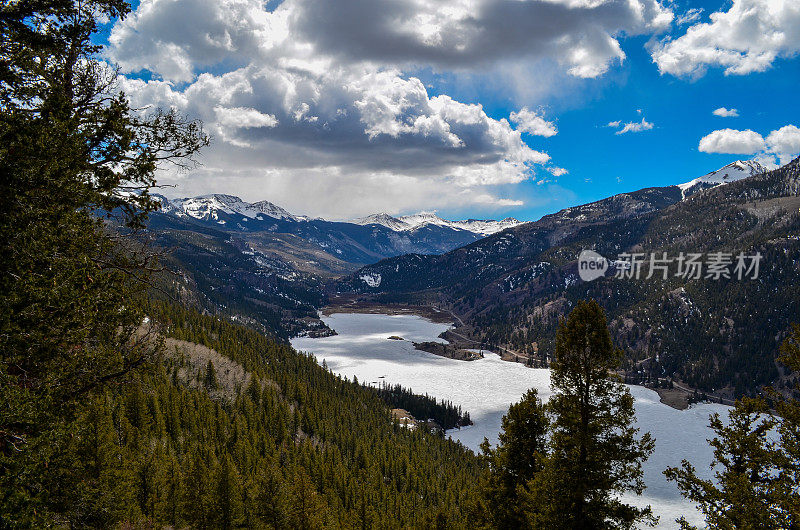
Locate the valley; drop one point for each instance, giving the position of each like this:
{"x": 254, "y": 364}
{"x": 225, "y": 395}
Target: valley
{"x": 486, "y": 387}
{"x": 507, "y": 283}
{"x": 493, "y": 265}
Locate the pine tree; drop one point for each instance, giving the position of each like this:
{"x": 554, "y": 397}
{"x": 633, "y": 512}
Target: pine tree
{"x": 270, "y": 497}
{"x": 594, "y": 453}
{"x": 197, "y": 500}
{"x": 743, "y": 494}
{"x": 788, "y": 486}
{"x": 516, "y": 460}
{"x": 227, "y": 495}
{"x": 306, "y": 510}
{"x": 210, "y": 377}
{"x": 74, "y": 160}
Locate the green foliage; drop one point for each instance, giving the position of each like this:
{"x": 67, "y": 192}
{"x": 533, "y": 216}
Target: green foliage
{"x": 742, "y": 496}
{"x": 210, "y": 377}
{"x": 595, "y": 454}
{"x": 297, "y": 447}
{"x": 757, "y": 461}
{"x": 516, "y": 460}
{"x": 71, "y": 153}
{"x": 566, "y": 464}
{"x": 423, "y": 408}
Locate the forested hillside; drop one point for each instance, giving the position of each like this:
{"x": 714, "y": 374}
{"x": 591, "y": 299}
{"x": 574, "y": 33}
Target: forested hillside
{"x": 260, "y": 437}
{"x": 120, "y": 408}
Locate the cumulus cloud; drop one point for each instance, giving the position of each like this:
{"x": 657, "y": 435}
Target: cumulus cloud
{"x": 782, "y": 144}
{"x": 722, "y": 112}
{"x": 746, "y": 38}
{"x": 319, "y": 89}
{"x": 530, "y": 122}
{"x": 582, "y": 35}
{"x": 631, "y": 126}
{"x": 732, "y": 141}
{"x": 362, "y": 129}
{"x": 452, "y": 34}
{"x": 557, "y": 171}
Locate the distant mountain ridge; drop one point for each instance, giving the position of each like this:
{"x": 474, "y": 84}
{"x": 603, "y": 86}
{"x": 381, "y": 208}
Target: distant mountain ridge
{"x": 410, "y": 222}
{"x": 363, "y": 241}
{"x": 218, "y": 206}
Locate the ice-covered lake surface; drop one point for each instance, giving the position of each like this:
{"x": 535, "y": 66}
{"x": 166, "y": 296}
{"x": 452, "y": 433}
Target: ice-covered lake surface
{"x": 486, "y": 387}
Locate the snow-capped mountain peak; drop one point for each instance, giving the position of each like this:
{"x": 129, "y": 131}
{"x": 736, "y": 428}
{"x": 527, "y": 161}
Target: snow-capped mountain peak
{"x": 419, "y": 220}
{"x": 272, "y": 210}
{"x": 730, "y": 173}
{"x": 383, "y": 219}
{"x": 208, "y": 207}
{"x": 423, "y": 218}
{"x": 219, "y": 207}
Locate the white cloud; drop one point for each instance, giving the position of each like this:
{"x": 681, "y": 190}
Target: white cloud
{"x": 582, "y": 35}
{"x": 494, "y": 201}
{"x": 365, "y": 130}
{"x": 632, "y": 126}
{"x": 236, "y": 117}
{"x": 692, "y": 15}
{"x": 784, "y": 143}
{"x": 779, "y": 146}
{"x": 722, "y": 112}
{"x": 747, "y": 38}
{"x": 530, "y": 122}
{"x": 557, "y": 171}
{"x": 318, "y": 91}
{"x": 614, "y": 124}
{"x": 732, "y": 141}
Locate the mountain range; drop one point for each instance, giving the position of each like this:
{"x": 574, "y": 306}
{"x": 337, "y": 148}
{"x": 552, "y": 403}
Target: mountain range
{"x": 265, "y": 266}
{"x": 722, "y": 335}
{"x": 260, "y": 264}
{"x": 360, "y": 240}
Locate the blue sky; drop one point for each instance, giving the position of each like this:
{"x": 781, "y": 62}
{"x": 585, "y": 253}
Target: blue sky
{"x": 601, "y": 163}
{"x": 340, "y": 108}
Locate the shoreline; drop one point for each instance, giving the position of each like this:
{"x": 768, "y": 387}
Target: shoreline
{"x": 375, "y": 308}
{"x": 675, "y": 398}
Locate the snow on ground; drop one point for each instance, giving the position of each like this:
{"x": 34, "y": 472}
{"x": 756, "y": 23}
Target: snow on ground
{"x": 486, "y": 387}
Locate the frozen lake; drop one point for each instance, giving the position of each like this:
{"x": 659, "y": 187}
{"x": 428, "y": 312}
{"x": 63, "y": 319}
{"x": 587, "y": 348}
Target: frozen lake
{"x": 486, "y": 387}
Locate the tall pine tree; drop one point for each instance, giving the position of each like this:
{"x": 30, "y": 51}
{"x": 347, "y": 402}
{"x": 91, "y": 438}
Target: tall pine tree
{"x": 516, "y": 460}
{"x": 595, "y": 451}
{"x": 73, "y": 155}
{"x": 757, "y": 479}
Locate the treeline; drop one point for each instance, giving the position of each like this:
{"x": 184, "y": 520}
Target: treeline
{"x": 423, "y": 407}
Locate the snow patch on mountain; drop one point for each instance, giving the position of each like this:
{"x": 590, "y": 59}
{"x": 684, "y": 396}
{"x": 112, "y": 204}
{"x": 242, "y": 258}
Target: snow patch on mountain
{"x": 383, "y": 219}
{"x": 730, "y": 173}
{"x": 372, "y": 279}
